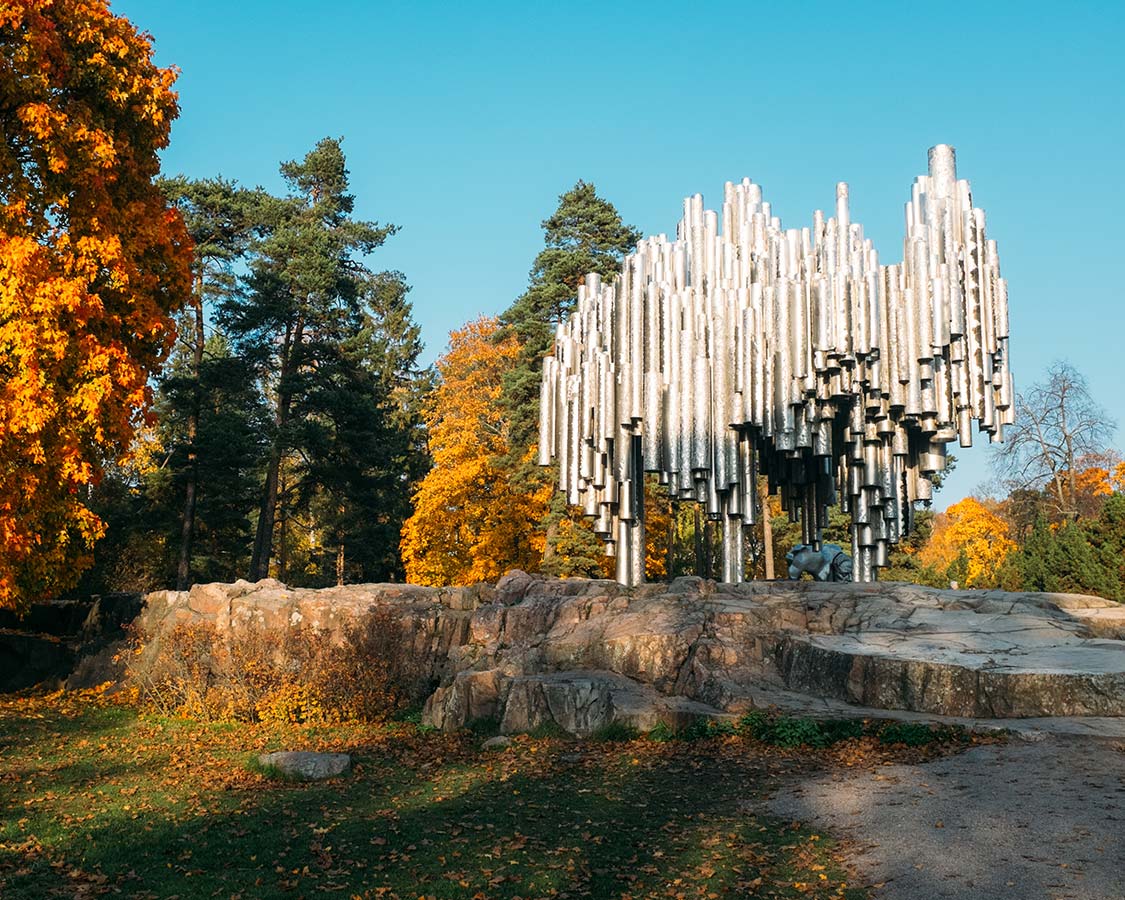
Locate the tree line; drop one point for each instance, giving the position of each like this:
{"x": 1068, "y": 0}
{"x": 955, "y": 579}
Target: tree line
{"x": 296, "y": 435}
{"x": 287, "y": 430}
{"x": 1054, "y": 520}
{"x": 201, "y": 381}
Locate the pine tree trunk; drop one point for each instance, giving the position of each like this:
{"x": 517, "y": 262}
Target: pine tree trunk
{"x": 187, "y": 522}
{"x": 708, "y": 548}
{"x": 263, "y": 538}
{"x": 340, "y": 551}
{"x": 555, "y": 511}
{"x": 550, "y": 539}
{"x": 282, "y": 532}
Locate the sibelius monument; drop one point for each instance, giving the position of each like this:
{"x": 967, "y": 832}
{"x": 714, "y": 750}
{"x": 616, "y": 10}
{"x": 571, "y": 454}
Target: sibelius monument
{"x": 790, "y": 353}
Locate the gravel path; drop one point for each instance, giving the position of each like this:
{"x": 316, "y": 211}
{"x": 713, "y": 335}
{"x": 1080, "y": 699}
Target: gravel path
{"x": 1018, "y": 821}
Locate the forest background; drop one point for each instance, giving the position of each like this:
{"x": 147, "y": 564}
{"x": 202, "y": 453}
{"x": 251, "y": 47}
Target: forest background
{"x": 290, "y": 428}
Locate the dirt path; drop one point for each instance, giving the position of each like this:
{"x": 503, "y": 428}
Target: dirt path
{"x": 1017, "y": 821}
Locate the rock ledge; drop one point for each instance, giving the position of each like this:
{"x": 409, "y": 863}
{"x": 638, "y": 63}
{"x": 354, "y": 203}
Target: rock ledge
{"x": 584, "y": 653}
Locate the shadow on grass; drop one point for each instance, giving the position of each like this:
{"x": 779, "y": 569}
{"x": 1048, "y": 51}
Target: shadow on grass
{"x": 568, "y": 823}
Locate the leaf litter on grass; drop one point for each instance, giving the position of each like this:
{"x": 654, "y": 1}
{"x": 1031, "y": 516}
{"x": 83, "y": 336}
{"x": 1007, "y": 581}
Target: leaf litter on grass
{"x": 98, "y": 799}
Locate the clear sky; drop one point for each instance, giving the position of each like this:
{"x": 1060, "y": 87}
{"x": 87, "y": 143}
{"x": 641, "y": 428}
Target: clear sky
{"x": 463, "y": 122}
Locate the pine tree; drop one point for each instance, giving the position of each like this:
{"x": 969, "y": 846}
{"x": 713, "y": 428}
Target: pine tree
{"x": 211, "y": 423}
{"x": 1033, "y": 560}
{"x": 221, "y": 219}
{"x": 354, "y": 479}
{"x": 1074, "y": 566}
{"x": 305, "y": 297}
{"x": 1106, "y": 536}
{"x": 585, "y": 234}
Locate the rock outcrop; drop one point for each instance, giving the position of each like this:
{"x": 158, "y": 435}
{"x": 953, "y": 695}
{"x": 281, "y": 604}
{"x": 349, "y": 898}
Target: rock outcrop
{"x": 582, "y": 654}
{"x": 71, "y": 642}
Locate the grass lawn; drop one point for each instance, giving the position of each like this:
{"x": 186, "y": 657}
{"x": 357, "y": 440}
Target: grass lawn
{"x": 96, "y": 798}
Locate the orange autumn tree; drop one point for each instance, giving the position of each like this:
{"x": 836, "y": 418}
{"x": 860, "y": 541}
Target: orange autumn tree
{"x": 92, "y": 261}
{"x": 469, "y": 524}
{"x": 973, "y": 535}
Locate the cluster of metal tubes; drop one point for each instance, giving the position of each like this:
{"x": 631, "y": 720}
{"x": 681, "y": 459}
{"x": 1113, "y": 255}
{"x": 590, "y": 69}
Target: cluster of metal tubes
{"x": 750, "y": 350}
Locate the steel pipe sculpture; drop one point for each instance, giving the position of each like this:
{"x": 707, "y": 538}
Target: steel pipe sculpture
{"x": 726, "y": 354}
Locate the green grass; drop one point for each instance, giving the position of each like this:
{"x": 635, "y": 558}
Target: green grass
{"x": 97, "y": 798}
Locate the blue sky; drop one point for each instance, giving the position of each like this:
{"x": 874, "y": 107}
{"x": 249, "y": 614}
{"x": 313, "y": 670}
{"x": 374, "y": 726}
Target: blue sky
{"x": 463, "y": 122}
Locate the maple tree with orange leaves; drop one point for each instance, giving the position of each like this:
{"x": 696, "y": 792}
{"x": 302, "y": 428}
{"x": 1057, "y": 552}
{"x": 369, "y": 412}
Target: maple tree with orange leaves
{"x": 92, "y": 262}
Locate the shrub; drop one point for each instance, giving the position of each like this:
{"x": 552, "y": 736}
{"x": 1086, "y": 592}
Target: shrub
{"x": 789, "y": 731}
{"x": 299, "y": 675}
{"x": 756, "y": 724}
{"x": 616, "y": 731}
{"x": 913, "y": 734}
{"x": 697, "y": 729}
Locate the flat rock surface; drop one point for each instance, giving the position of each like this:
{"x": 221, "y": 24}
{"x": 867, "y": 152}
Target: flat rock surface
{"x": 1016, "y": 651}
{"x": 307, "y": 765}
{"x": 1017, "y": 821}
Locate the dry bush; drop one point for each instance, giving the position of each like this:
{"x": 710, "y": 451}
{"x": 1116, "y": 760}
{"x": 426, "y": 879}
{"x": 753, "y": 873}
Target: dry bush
{"x": 299, "y": 675}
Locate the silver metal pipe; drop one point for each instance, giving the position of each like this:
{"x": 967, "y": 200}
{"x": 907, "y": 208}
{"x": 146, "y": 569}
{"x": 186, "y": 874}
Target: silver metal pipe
{"x": 739, "y": 344}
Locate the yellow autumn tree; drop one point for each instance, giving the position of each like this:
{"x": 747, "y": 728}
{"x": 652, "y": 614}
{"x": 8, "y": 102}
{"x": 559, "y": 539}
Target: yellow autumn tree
{"x": 971, "y": 534}
{"x": 1117, "y": 478}
{"x": 92, "y": 261}
{"x": 469, "y": 523}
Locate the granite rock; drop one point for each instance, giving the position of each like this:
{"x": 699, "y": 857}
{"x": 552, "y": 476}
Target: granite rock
{"x": 584, "y": 653}
{"x": 307, "y": 765}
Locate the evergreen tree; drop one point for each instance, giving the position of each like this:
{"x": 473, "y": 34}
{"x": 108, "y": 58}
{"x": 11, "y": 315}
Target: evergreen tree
{"x": 1033, "y": 560}
{"x": 221, "y": 218}
{"x": 142, "y": 501}
{"x": 335, "y": 348}
{"x": 1106, "y": 536}
{"x": 211, "y": 424}
{"x": 393, "y": 342}
{"x": 1060, "y": 559}
{"x": 354, "y": 480}
{"x": 585, "y": 234}
{"x": 1074, "y": 565}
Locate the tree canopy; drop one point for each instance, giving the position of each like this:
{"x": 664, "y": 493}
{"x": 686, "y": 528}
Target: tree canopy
{"x": 469, "y": 523}
{"x": 93, "y": 262}
{"x": 1058, "y": 428}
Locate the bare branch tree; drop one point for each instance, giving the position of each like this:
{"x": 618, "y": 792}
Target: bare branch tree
{"x": 1058, "y": 426}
